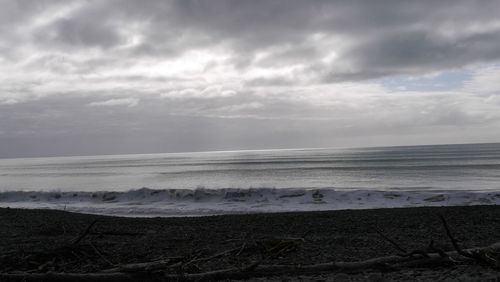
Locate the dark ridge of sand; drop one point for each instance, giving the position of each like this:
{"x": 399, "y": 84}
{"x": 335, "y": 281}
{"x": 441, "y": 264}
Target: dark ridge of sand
{"x": 28, "y": 236}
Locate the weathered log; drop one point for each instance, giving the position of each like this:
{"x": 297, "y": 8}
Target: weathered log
{"x": 143, "y": 266}
{"x": 76, "y": 277}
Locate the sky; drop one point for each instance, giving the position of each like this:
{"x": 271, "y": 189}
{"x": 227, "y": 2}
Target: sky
{"x": 125, "y": 76}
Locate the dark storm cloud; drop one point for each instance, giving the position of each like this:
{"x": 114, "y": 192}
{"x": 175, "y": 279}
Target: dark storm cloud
{"x": 375, "y": 38}
{"x": 84, "y": 34}
{"x": 381, "y": 39}
{"x": 417, "y": 52}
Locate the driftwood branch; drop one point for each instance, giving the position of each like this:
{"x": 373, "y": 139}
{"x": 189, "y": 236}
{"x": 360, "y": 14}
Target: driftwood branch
{"x": 144, "y": 266}
{"x": 392, "y": 242}
{"x": 453, "y": 240}
{"x": 84, "y": 233}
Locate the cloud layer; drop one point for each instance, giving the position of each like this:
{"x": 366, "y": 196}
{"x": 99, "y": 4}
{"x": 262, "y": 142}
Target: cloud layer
{"x": 83, "y": 77}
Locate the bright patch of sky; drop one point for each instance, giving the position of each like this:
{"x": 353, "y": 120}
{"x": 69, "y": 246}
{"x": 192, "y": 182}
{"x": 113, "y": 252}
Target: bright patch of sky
{"x": 442, "y": 81}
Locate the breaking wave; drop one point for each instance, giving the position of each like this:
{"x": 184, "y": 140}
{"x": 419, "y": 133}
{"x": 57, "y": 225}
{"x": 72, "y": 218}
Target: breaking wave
{"x": 201, "y": 201}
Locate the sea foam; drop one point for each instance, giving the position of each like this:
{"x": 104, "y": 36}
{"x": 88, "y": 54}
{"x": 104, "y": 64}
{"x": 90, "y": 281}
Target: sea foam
{"x": 185, "y": 202}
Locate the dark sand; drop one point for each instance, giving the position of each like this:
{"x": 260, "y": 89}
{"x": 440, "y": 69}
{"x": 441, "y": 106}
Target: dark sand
{"x": 28, "y": 239}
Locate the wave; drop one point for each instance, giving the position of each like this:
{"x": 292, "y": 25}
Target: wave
{"x": 201, "y": 201}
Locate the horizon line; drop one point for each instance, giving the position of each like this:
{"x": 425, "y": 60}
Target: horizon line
{"x": 248, "y": 150}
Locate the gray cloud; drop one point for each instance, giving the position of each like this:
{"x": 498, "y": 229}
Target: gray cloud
{"x": 417, "y": 52}
{"x": 375, "y": 40}
{"x": 245, "y": 120}
{"x": 84, "y": 34}
{"x": 118, "y": 76}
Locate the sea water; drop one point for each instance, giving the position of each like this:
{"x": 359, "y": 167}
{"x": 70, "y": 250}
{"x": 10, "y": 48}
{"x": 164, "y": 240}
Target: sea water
{"x": 256, "y": 181}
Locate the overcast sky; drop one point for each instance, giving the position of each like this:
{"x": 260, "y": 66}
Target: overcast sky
{"x": 128, "y": 76}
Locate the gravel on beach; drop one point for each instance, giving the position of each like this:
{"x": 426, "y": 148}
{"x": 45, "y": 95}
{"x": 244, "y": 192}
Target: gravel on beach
{"x": 28, "y": 239}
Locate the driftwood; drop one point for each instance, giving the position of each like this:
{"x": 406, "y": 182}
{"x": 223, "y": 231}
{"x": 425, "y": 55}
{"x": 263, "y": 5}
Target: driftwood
{"x": 67, "y": 277}
{"x": 141, "y": 274}
{"x": 84, "y": 233}
{"x": 144, "y": 266}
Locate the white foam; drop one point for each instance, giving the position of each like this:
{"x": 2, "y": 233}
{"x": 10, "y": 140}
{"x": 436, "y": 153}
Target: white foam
{"x": 183, "y": 202}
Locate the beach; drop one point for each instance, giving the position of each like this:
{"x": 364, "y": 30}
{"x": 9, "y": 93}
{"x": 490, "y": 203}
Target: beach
{"x": 188, "y": 140}
{"x": 51, "y": 241}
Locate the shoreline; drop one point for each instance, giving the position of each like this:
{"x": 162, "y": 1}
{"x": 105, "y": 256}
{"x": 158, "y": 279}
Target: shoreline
{"x": 238, "y": 213}
{"x": 146, "y": 202}
{"x": 27, "y": 236}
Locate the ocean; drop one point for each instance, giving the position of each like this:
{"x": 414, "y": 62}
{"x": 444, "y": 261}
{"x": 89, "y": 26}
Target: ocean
{"x": 255, "y": 181}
